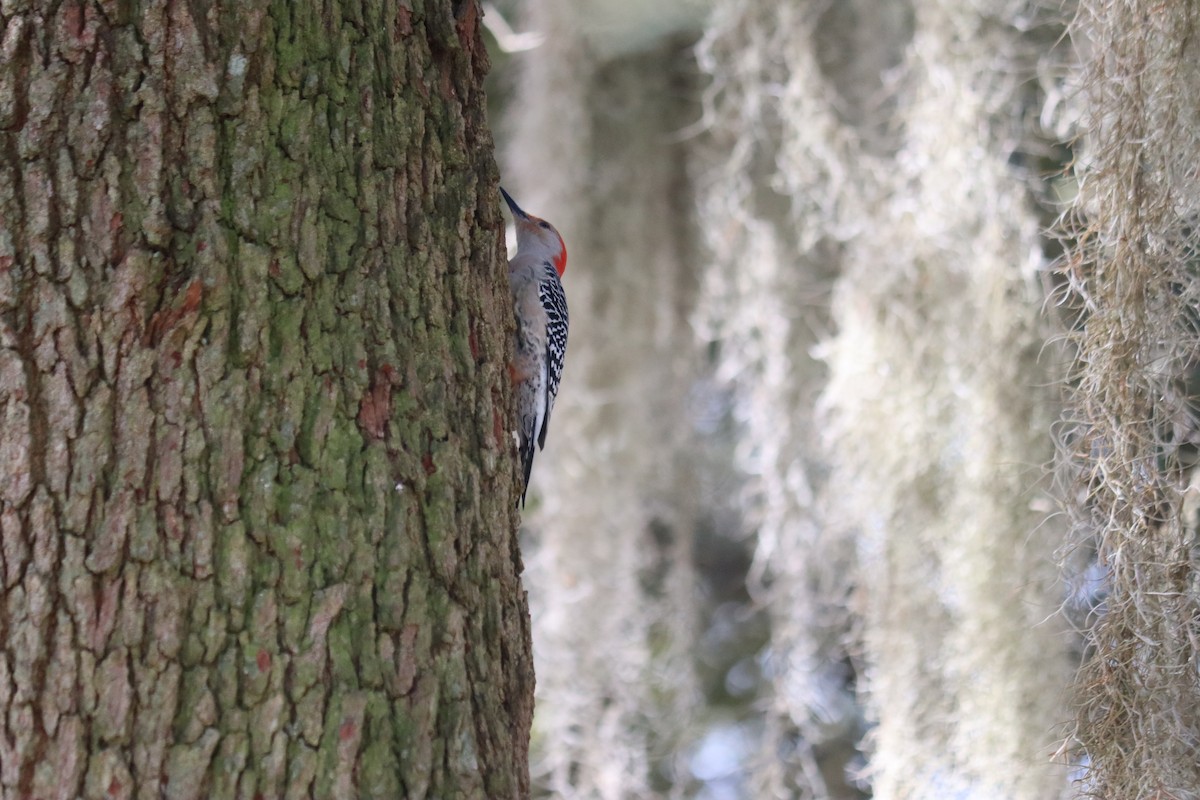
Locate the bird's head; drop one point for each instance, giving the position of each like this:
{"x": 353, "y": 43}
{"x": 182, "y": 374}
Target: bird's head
{"x": 537, "y": 237}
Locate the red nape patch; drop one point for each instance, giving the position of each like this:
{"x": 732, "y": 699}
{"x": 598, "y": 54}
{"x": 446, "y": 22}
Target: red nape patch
{"x": 560, "y": 263}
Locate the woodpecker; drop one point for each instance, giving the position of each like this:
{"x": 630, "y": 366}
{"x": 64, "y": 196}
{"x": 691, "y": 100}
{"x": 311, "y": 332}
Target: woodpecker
{"x": 534, "y": 275}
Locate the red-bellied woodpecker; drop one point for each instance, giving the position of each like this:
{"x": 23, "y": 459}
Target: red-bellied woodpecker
{"x": 541, "y": 308}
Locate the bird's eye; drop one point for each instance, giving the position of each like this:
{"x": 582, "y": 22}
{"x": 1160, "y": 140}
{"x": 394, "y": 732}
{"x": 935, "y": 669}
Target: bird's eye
{"x": 544, "y": 224}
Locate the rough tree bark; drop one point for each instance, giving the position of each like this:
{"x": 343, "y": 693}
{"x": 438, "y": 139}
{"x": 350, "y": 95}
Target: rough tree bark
{"x": 256, "y": 493}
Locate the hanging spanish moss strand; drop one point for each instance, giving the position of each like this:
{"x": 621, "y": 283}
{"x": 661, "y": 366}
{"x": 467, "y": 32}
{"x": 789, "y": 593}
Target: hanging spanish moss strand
{"x": 897, "y": 176}
{"x": 1130, "y": 445}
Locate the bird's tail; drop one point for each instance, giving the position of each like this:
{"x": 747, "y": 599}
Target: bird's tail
{"x": 527, "y": 449}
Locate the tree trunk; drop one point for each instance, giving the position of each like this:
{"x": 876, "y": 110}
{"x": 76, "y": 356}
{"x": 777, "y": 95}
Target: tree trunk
{"x": 256, "y": 486}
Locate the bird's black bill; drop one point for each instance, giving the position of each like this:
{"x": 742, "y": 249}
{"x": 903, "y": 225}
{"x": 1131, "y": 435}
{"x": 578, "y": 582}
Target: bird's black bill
{"x": 516, "y": 209}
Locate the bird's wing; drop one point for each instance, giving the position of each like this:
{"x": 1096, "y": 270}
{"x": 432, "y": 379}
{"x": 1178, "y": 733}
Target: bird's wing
{"x": 554, "y": 300}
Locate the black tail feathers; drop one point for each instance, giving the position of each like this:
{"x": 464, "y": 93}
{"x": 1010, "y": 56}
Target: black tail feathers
{"x": 527, "y": 465}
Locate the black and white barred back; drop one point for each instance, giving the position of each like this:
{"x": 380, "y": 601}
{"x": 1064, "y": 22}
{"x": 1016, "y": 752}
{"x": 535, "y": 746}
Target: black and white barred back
{"x": 554, "y": 300}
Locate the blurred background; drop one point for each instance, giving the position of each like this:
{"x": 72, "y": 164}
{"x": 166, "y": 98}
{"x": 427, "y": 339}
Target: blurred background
{"x": 822, "y": 512}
